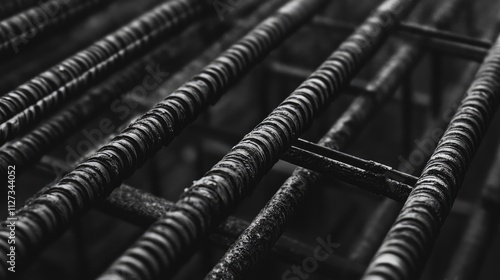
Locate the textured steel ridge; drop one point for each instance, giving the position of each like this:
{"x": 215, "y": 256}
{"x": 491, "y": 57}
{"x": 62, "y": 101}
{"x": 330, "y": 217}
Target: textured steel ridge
{"x": 30, "y": 102}
{"x": 10, "y": 7}
{"x": 216, "y": 194}
{"x": 18, "y": 30}
{"x": 29, "y": 148}
{"x": 32, "y": 146}
{"x": 49, "y": 215}
{"x": 409, "y": 242}
{"x": 271, "y": 221}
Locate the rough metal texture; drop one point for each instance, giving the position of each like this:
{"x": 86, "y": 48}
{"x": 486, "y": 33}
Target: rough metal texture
{"x": 18, "y": 30}
{"x": 270, "y": 222}
{"x": 28, "y": 149}
{"x": 410, "y": 240}
{"x": 215, "y": 195}
{"x": 143, "y": 209}
{"x": 26, "y": 105}
{"x": 50, "y": 214}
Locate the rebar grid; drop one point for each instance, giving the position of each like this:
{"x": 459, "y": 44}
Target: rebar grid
{"x": 176, "y": 229}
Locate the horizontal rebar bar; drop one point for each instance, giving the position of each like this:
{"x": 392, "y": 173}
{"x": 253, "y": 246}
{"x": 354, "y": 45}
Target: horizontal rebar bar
{"x": 166, "y": 58}
{"x": 211, "y": 198}
{"x": 409, "y": 242}
{"x": 26, "y": 105}
{"x": 50, "y": 214}
{"x": 354, "y": 161}
{"x": 19, "y": 30}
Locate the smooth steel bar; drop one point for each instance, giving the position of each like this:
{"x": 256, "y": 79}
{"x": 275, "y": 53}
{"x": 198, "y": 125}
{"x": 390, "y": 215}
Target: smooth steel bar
{"x": 409, "y": 242}
{"x": 211, "y": 198}
{"x": 19, "y": 30}
{"x": 481, "y": 229}
{"x": 375, "y": 181}
{"x": 26, "y": 105}
{"x": 446, "y": 45}
{"x": 50, "y": 214}
{"x": 354, "y": 161}
{"x": 270, "y": 222}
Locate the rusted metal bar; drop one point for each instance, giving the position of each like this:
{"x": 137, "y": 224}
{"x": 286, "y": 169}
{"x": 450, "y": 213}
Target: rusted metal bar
{"x": 26, "y": 105}
{"x": 212, "y": 197}
{"x": 103, "y": 171}
{"x": 410, "y": 240}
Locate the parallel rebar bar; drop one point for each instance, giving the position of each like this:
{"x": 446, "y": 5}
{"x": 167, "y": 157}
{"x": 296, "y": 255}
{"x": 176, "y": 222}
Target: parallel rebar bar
{"x": 49, "y": 215}
{"x": 270, "y": 222}
{"x": 152, "y": 68}
{"x": 24, "y": 27}
{"x": 211, "y": 198}
{"x": 409, "y": 242}
{"x": 30, "y": 102}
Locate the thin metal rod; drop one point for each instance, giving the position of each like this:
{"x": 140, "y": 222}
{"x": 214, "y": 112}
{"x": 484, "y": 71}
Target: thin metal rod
{"x": 25, "y": 27}
{"x": 104, "y": 171}
{"x": 30, "y": 102}
{"x": 354, "y": 161}
{"x": 435, "y": 41}
{"x": 211, "y": 198}
{"x": 368, "y": 180}
{"x": 409, "y": 242}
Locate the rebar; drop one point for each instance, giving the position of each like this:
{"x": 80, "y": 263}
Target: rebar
{"x": 410, "y": 239}
{"x": 213, "y": 196}
{"x": 103, "y": 171}
{"x": 26, "y": 105}
{"x": 24, "y": 27}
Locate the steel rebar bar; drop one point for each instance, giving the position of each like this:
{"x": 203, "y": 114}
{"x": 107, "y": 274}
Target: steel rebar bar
{"x": 410, "y": 239}
{"x": 26, "y": 105}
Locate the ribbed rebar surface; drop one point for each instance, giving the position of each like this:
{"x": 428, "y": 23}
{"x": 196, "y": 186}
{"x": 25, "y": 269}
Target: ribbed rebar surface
{"x": 410, "y": 239}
